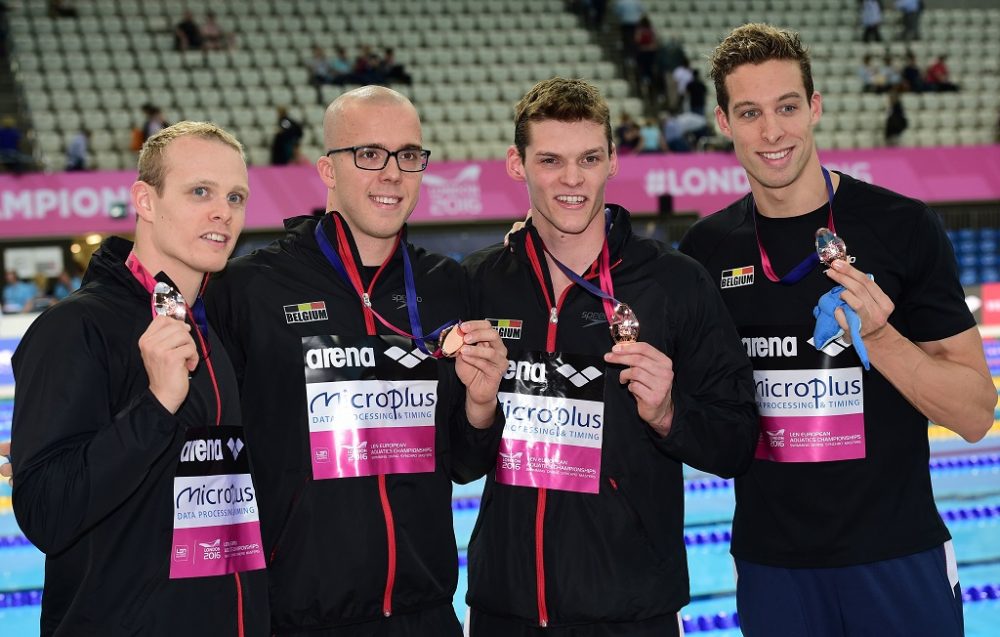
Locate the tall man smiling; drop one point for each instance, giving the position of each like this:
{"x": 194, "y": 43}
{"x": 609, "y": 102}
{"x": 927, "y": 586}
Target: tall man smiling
{"x": 835, "y": 531}
{"x": 361, "y": 430}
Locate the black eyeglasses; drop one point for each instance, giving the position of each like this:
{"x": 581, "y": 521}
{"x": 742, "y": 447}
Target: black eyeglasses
{"x": 409, "y": 160}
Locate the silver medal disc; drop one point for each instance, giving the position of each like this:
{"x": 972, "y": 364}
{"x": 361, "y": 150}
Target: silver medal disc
{"x": 624, "y": 325}
{"x": 829, "y": 246}
{"x": 168, "y": 302}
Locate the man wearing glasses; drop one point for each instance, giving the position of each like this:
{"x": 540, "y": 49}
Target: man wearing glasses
{"x": 334, "y": 332}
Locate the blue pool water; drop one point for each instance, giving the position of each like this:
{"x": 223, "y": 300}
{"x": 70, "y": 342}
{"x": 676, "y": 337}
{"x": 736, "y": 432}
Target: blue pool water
{"x": 968, "y": 492}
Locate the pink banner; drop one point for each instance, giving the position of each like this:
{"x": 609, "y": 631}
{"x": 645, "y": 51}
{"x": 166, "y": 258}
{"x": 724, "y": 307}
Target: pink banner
{"x": 350, "y": 453}
{"x": 811, "y": 438}
{"x": 67, "y": 204}
{"x": 216, "y": 550}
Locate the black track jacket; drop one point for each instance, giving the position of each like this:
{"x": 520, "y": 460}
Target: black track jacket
{"x": 331, "y": 559}
{"x": 95, "y": 452}
{"x": 618, "y": 555}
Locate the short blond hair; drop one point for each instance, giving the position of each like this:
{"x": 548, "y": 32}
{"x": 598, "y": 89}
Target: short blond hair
{"x": 756, "y": 43}
{"x": 151, "y": 168}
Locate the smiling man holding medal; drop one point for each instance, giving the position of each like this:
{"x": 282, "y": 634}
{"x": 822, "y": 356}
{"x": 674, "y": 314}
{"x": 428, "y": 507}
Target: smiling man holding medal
{"x": 624, "y": 364}
{"x": 361, "y": 425}
{"x": 836, "y": 531}
{"x": 132, "y": 470}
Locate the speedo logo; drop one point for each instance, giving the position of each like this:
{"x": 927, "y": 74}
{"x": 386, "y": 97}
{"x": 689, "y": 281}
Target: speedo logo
{"x": 594, "y": 318}
{"x": 207, "y": 450}
{"x": 409, "y": 360}
{"x": 306, "y": 312}
{"x": 401, "y": 299}
{"x": 771, "y": 346}
{"x": 736, "y": 277}
{"x": 507, "y": 328}
{"x": 328, "y": 357}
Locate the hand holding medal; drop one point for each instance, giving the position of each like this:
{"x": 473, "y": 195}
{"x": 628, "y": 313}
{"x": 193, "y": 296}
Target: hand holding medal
{"x": 168, "y": 351}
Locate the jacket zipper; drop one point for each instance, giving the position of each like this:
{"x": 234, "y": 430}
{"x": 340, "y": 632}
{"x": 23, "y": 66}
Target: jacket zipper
{"x": 390, "y": 531}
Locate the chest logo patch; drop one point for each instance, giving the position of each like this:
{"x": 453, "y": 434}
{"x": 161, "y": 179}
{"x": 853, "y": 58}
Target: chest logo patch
{"x": 508, "y": 328}
{"x": 306, "y": 312}
{"x": 736, "y": 277}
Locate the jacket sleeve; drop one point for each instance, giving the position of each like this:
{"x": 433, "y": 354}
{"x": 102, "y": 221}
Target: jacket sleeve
{"x": 715, "y": 416}
{"x": 474, "y": 451}
{"x": 76, "y": 460}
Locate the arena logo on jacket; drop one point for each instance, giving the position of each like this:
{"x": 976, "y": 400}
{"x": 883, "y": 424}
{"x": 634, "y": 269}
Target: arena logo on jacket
{"x": 369, "y": 404}
{"x": 811, "y": 403}
{"x": 216, "y": 523}
{"x": 554, "y": 432}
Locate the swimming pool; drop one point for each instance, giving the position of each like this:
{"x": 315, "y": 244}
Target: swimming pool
{"x": 966, "y": 482}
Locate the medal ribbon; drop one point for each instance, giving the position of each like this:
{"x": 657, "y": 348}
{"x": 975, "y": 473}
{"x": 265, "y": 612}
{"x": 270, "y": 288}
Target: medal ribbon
{"x": 352, "y": 276}
{"x": 606, "y": 291}
{"x": 802, "y": 269}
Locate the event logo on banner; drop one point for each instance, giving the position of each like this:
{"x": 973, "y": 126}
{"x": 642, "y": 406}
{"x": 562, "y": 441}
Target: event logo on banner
{"x": 216, "y": 524}
{"x": 554, "y": 406}
{"x": 370, "y": 405}
{"x": 459, "y": 196}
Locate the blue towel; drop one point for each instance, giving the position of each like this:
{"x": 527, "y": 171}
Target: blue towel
{"x": 828, "y": 330}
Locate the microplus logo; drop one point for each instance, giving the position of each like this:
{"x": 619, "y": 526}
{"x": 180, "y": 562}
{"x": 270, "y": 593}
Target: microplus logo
{"x": 579, "y": 379}
{"x": 340, "y": 357}
{"x": 409, "y": 360}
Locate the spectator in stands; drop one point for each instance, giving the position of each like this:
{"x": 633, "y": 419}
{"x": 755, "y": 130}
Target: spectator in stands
{"x": 366, "y": 66}
{"x": 651, "y": 138}
{"x": 891, "y": 79}
{"x": 683, "y": 131}
{"x": 627, "y": 136}
{"x": 647, "y": 49}
{"x": 78, "y": 151}
{"x": 682, "y": 77}
{"x": 11, "y": 157}
{"x": 868, "y": 73}
{"x": 187, "y": 34}
{"x": 391, "y": 70}
{"x": 154, "y": 123}
{"x": 910, "y": 10}
{"x": 938, "y": 76}
{"x": 871, "y": 20}
{"x": 286, "y": 140}
{"x": 696, "y": 94}
{"x": 629, "y": 13}
{"x": 213, "y": 37}
{"x": 341, "y": 68}
{"x": 62, "y": 9}
{"x": 64, "y": 285}
{"x": 895, "y": 121}
{"x": 594, "y": 13}
{"x": 18, "y": 294}
{"x": 319, "y": 67}
{"x": 913, "y": 78}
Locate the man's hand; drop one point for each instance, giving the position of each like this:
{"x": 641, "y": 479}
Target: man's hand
{"x": 480, "y": 365}
{"x": 649, "y": 374}
{"x": 169, "y": 355}
{"x": 866, "y": 298}
{"x": 5, "y": 469}
{"x": 516, "y": 227}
